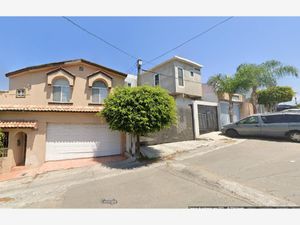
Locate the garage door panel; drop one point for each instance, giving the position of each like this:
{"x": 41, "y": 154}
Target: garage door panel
{"x": 70, "y": 141}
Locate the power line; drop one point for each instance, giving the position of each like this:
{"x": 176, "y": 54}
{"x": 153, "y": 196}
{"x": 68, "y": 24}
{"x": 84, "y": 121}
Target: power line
{"x": 192, "y": 38}
{"x": 130, "y": 69}
{"x": 99, "y": 38}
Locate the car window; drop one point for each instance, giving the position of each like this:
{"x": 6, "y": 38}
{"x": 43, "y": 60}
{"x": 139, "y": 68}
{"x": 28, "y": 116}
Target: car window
{"x": 274, "y": 119}
{"x": 293, "y": 118}
{"x": 249, "y": 120}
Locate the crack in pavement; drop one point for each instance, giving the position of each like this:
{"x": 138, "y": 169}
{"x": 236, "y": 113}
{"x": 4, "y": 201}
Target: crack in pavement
{"x": 257, "y": 197}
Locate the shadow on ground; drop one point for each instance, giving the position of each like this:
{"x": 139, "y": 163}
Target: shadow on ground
{"x": 129, "y": 163}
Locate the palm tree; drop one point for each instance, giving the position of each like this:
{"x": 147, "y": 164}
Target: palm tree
{"x": 263, "y": 75}
{"x": 225, "y": 84}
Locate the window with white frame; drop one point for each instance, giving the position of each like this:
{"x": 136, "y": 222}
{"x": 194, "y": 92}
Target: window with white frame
{"x": 180, "y": 77}
{"x": 20, "y": 93}
{"x": 235, "y": 98}
{"x": 61, "y": 91}
{"x": 192, "y": 73}
{"x": 99, "y": 92}
{"x": 156, "y": 79}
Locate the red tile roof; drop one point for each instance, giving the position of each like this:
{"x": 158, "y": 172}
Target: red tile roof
{"x": 52, "y": 108}
{"x": 18, "y": 124}
{"x": 68, "y": 62}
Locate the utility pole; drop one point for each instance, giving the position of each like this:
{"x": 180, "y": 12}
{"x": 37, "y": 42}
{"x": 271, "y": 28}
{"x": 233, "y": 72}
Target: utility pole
{"x": 137, "y": 137}
{"x": 139, "y": 68}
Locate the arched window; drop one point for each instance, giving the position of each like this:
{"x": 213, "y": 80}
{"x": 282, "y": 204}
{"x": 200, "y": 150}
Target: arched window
{"x": 61, "y": 90}
{"x": 99, "y": 92}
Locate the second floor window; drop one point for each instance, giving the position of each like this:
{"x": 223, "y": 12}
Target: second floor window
{"x": 156, "y": 80}
{"x": 180, "y": 77}
{"x": 99, "y": 92}
{"x": 20, "y": 93}
{"x": 61, "y": 91}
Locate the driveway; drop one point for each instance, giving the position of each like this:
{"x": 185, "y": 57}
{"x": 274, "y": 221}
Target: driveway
{"x": 230, "y": 173}
{"x": 271, "y": 166}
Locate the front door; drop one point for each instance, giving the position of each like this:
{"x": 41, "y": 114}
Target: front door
{"x": 20, "y": 151}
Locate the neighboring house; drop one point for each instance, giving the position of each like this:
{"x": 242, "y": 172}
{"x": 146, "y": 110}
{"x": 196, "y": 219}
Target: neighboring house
{"x": 131, "y": 80}
{"x": 49, "y": 113}
{"x": 199, "y": 109}
{"x": 241, "y": 107}
{"x": 182, "y": 79}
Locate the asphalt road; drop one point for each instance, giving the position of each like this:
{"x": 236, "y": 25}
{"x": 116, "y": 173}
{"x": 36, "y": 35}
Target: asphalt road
{"x": 246, "y": 173}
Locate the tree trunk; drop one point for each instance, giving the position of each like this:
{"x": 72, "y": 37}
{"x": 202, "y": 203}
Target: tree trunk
{"x": 137, "y": 149}
{"x": 230, "y": 109}
{"x": 132, "y": 144}
{"x": 254, "y": 100}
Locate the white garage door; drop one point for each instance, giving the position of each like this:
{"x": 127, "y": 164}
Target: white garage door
{"x": 71, "y": 141}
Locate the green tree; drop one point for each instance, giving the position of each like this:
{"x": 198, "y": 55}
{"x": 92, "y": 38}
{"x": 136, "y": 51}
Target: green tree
{"x": 139, "y": 111}
{"x": 1, "y": 142}
{"x": 231, "y": 85}
{"x": 271, "y": 96}
{"x": 263, "y": 75}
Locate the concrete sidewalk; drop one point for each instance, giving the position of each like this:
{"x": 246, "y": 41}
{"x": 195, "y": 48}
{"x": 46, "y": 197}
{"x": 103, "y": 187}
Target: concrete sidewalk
{"x": 23, "y": 171}
{"x": 169, "y": 149}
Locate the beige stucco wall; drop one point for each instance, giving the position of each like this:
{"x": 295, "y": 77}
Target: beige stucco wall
{"x": 225, "y": 96}
{"x": 36, "y": 139}
{"x": 38, "y": 92}
{"x": 246, "y": 109}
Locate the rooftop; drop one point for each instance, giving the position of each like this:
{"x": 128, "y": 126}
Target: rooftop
{"x": 68, "y": 62}
{"x": 177, "y": 58}
{"x": 54, "y": 108}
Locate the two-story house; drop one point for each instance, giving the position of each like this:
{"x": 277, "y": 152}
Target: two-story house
{"x": 49, "y": 113}
{"x": 182, "y": 78}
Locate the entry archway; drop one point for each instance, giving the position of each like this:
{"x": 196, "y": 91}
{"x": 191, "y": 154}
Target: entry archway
{"x": 20, "y": 151}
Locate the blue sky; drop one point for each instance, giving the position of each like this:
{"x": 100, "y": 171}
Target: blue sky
{"x": 27, "y": 41}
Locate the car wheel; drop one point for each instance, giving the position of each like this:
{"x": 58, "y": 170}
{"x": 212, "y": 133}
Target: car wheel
{"x": 294, "y": 136}
{"x": 232, "y": 133}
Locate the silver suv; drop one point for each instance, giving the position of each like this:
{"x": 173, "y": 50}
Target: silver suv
{"x": 268, "y": 125}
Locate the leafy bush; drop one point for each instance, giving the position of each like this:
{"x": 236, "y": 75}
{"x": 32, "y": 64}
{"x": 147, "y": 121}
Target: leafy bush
{"x": 139, "y": 110}
{"x": 271, "y": 96}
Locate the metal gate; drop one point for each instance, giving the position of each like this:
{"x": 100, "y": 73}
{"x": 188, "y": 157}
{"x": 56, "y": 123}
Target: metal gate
{"x": 208, "y": 118}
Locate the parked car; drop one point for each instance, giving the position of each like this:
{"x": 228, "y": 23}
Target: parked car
{"x": 284, "y": 107}
{"x": 291, "y": 110}
{"x": 269, "y": 125}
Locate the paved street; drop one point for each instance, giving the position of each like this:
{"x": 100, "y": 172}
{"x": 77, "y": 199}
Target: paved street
{"x": 222, "y": 173}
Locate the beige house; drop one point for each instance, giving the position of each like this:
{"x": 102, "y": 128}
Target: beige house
{"x": 49, "y": 113}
